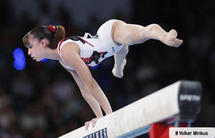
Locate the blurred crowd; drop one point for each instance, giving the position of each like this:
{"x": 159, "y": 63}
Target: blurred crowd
{"x": 43, "y": 101}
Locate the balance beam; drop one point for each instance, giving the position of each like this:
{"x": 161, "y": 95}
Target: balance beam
{"x": 181, "y": 98}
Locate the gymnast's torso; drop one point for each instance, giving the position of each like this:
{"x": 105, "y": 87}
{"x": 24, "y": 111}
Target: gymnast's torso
{"x": 93, "y": 49}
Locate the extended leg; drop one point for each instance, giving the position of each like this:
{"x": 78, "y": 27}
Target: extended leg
{"x": 130, "y": 34}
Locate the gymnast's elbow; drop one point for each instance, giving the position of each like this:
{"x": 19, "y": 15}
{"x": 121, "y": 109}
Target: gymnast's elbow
{"x": 87, "y": 88}
{"x": 91, "y": 84}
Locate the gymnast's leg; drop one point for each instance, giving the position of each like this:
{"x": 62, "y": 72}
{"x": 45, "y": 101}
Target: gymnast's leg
{"x": 120, "y": 62}
{"x": 130, "y": 34}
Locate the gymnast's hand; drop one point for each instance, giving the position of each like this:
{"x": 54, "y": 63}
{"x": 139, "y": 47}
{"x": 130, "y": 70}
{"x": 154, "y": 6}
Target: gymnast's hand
{"x": 93, "y": 121}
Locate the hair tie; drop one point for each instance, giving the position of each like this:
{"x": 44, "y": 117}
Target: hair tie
{"x": 51, "y": 28}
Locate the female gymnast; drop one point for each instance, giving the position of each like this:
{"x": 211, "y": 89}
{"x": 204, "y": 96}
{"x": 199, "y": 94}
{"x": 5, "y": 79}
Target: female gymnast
{"x": 77, "y": 53}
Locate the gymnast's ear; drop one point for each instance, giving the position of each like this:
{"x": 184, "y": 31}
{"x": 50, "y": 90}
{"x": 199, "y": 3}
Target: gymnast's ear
{"x": 44, "y": 42}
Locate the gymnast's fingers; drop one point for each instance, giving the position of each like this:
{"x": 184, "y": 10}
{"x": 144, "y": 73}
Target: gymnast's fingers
{"x": 87, "y": 124}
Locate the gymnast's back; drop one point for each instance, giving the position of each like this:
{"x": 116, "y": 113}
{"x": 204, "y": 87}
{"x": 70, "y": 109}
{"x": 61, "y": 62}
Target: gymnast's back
{"x": 93, "y": 49}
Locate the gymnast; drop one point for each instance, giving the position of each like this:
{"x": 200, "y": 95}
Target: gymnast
{"x": 77, "y": 53}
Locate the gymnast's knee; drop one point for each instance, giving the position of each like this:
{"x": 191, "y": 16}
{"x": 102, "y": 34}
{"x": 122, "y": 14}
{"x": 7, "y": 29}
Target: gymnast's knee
{"x": 124, "y": 50}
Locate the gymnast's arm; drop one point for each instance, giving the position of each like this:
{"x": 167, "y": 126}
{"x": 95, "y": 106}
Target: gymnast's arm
{"x": 87, "y": 96}
{"x": 89, "y": 88}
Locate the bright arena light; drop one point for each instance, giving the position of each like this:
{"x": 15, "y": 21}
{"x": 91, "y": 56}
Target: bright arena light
{"x": 19, "y": 59}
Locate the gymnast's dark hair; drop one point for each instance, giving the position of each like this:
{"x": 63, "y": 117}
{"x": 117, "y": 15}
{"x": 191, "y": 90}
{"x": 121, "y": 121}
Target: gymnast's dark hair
{"x": 54, "y": 34}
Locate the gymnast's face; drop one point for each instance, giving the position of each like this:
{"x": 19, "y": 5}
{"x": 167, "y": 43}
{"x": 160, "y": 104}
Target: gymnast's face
{"x": 37, "y": 48}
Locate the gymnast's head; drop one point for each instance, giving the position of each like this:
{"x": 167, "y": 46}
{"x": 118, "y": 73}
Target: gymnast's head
{"x": 42, "y": 37}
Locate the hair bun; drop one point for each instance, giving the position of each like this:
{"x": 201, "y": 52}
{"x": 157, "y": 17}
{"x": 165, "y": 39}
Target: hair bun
{"x": 51, "y": 28}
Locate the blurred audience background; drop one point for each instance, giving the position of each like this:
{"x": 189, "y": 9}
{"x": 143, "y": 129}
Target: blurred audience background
{"x": 43, "y": 101}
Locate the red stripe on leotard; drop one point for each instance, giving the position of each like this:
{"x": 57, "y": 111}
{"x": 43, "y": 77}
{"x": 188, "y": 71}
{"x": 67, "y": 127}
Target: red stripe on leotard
{"x": 88, "y": 43}
{"x": 60, "y": 45}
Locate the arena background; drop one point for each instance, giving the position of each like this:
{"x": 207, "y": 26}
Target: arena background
{"x": 41, "y": 100}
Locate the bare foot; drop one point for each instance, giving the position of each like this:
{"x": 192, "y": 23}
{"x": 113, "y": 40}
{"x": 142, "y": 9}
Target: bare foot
{"x": 172, "y": 40}
{"x": 118, "y": 71}
{"x": 173, "y": 33}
